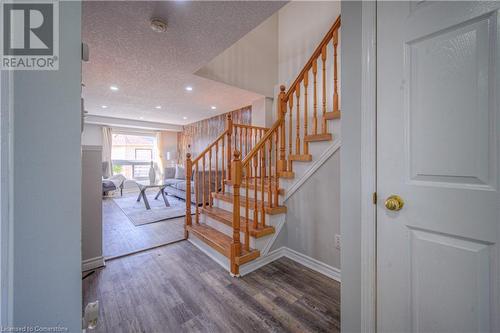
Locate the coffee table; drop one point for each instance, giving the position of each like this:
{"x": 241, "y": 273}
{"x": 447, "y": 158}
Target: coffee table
{"x": 161, "y": 190}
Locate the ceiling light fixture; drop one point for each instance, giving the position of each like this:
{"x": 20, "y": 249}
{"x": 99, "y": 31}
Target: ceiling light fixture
{"x": 185, "y": 118}
{"x": 114, "y": 88}
{"x": 189, "y": 88}
{"x": 104, "y": 106}
{"x": 141, "y": 118}
{"x": 158, "y": 25}
{"x": 213, "y": 107}
{"x": 158, "y": 107}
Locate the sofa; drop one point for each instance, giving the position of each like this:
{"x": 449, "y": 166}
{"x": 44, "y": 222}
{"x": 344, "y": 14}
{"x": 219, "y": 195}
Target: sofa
{"x": 175, "y": 179}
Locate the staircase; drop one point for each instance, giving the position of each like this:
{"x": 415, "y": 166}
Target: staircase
{"x": 237, "y": 180}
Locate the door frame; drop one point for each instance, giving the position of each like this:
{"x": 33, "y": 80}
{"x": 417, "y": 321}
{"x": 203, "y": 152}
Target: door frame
{"x": 369, "y": 167}
{"x": 6, "y": 197}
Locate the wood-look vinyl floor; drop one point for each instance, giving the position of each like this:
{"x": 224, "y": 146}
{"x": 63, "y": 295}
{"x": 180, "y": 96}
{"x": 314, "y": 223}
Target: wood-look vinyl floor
{"x": 121, "y": 236}
{"x": 177, "y": 288}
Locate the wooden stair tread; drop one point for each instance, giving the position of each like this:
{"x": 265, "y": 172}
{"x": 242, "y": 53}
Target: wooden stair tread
{"x": 301, "y": 158}
{"x": 221, "y": 242}
{"x": 332, "y": 115}
{"x": 226, "y": 217}
{"x": 251, "y": 186}
{"x": 286, "y": 174}
{"x": 318, "y": 137}
{"x": 228, "y": 197}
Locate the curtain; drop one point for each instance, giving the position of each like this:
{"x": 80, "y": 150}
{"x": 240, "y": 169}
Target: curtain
{"x": 107, "y": 144}
{"x": 159, "y": 155}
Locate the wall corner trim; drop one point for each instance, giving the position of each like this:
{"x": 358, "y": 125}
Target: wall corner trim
{"x": 314, "y": 264}
{"x": 93, "y": 263}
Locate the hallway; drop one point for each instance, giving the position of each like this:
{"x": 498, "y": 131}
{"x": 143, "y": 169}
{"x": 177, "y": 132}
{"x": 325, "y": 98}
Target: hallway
{"x": 178, "y": 288}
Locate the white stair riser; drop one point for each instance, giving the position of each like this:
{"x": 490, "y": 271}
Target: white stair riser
{"x": 271, "y": 220}
{"x": 251, "y": 194}
{"x": 255, "y": 243}
{"x": 207, "y": 249}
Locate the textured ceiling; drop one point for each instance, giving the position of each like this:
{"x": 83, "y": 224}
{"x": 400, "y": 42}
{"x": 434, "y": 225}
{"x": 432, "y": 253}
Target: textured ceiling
{"x": 153, "y": 68}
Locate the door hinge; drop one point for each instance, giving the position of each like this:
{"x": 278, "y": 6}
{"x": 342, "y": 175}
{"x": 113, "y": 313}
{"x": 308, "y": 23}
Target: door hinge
{"x": 374, "y": 198}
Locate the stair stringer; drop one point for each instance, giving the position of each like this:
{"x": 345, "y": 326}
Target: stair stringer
{"x": 321, "y": 152}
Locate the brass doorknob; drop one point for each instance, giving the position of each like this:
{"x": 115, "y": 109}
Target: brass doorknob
{"x": 394, "y": 202}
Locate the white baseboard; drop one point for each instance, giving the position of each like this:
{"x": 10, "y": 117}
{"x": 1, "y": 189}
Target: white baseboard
{"x": 93, "y": 263}
{"x": 315, "y": 265}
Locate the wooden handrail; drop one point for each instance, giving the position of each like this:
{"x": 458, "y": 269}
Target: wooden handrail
{"x": 261, "y": 143}
{"x": 314, "y": 56}
{"x": 210, "y": 146}
{"x": 251, "y": 126}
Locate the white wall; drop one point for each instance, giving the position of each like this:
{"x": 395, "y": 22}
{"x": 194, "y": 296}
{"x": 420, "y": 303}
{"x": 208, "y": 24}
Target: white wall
{"x": 92, "y": 135}
{"x": 311, "y": 225}
{"x": 92, "y": 205}
{"x": 251, "y": 63}
{"x": 351, "y": 167}
{"x": 46, "y": 272}
{"x": 262, "y": 110}
{"x": 298, "y": 41}
{"x": 313, "y": 218}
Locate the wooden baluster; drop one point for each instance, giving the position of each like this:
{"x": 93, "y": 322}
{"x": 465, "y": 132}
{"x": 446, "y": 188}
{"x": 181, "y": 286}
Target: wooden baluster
{"x": 216, "y": 167}
{"x": 246, "y": 142}
{"x": 306, "y": 83}
{"x": 210, "y": 177}
{"x": 262, "y": 179}
{"x": 335, "y": 88}
{"x": 229, "y": 127}
{"x": 276, "y": 193}
{"x": 297, "y": 128}
{"x": 315, "y": 101}
{"x": 235, "y": 136}
{"x": 255, "y": 210}
{"x": 223, "y": 174}
{"x": 290, "y": 127}
{"x": 323, "y": 69}
{"x": 247, "y": 208}
{"x": 236, "y": 244}
{"x": 282, "y": 112}
{"x": 269, "y": 186}
{"x": 188, "y": 221}
{"x": 203, "y": 182}
{"x": 196, "y": 192}
{"x": 254, "y": 143}
{"x": 241, "y": 141}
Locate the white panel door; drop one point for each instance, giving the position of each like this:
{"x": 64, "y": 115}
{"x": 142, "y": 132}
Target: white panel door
{"x": 438, "y": 82}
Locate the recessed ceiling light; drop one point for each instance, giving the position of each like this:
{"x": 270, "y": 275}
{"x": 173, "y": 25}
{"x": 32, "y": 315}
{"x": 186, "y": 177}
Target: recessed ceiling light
{"x": 189, "y": 88}
{"x": 104, "y": 106}
{"x": 185, "y": 118}
{"x": 213, "y": 107}
{"x": 141, "y": 117}
{"x": 114, "y": 88}
{"x": 158, "y": 107}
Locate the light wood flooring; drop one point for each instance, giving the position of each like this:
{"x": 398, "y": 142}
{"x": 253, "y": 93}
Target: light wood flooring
{"x": 121, "y": 236}
{"x": 177, "y": 288}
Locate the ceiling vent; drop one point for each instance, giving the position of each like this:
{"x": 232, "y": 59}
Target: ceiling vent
{"x": 158, "y": 25}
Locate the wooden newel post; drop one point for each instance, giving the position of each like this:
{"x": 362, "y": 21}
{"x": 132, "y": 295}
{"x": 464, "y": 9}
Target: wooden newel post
{"x": 236, "y": 181}
{"x": 282, "y": 113}
{"x": 229, "y": 127}
{"x": 189, "y": 166}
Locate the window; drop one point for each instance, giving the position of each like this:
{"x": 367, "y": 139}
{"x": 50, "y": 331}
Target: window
{"x": 132, "y": 154}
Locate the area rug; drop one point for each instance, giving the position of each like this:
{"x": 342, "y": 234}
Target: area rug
{"x": 139, "y": 215}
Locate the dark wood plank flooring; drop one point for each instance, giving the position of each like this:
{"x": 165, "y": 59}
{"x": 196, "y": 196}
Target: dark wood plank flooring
{"x": 177, "y": 288}
{"x": 121, "y": 236}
